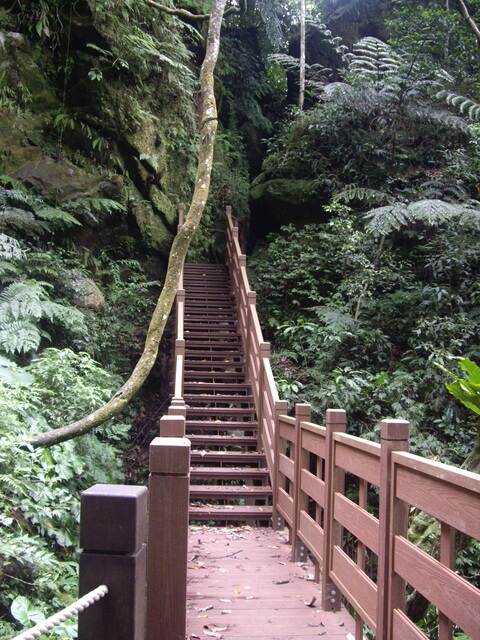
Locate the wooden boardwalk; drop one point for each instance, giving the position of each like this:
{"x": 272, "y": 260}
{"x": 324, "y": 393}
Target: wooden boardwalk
{"x": 242, "y": 585}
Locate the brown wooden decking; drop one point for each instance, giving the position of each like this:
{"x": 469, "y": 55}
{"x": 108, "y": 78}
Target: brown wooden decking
{"x": 242, "y": 585}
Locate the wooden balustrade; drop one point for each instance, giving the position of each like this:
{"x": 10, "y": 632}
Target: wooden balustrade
{"x": 359, "y": 546}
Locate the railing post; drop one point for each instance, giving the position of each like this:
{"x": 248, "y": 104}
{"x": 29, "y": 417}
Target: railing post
{"x": 168, "y": 538}
{"x": 303, "y": 413}
{"x": 251, "y": 302}
{"x": 113, "y": 532}
{"x": 264, "y": 353}
{"x": 394, "y": 437}
{"x": 172, "y": 426}
{"x": 336, "y": 420}
{"x": 281, "y": 408}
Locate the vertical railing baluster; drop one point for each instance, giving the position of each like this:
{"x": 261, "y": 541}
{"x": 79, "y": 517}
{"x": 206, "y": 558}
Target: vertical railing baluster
{"x": 332, "y": 531}
{"x": 394, "y": 437}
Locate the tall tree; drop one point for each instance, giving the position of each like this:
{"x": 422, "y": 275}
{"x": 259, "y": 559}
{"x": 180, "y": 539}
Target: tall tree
{"x": 178, "y": 252}
{"x": 301, "y": 97}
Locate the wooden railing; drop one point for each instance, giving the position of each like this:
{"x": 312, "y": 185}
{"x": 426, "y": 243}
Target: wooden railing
{"x": 345, "y": 500}
{"x": 257, "y": 352}
{"x": 317, "y": 470}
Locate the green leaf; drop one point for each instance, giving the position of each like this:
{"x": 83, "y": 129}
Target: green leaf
{"x": 23, "y": 611}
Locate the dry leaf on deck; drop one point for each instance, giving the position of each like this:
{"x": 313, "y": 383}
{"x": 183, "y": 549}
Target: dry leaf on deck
{"x": 311, "y": 603}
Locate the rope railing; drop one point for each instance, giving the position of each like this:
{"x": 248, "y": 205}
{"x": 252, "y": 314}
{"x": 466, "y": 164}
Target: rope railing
{"x": 65, "y": 614}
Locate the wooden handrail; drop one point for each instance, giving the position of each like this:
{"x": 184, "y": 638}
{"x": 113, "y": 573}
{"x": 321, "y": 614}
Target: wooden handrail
{"x": 308, "y": 464}
{"x": 257, "y": 354}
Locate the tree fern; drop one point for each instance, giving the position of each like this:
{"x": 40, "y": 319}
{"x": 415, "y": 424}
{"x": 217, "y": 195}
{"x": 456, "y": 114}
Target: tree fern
{"x": 23, "y": 305}
{"x": 433, "y": 213}
{"x": 375, "y": 61}
{"x": 369, "y": 196}
{"x": 466, "y": 106}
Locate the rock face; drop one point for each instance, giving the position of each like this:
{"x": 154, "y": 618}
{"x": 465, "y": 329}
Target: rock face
{"x": 69, "y": 137}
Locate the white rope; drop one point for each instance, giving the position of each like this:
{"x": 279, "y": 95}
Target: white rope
{"x": 69, "y": 612}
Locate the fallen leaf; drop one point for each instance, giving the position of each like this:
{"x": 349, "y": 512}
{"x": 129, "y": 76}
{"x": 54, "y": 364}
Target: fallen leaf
{"x": 212, "y": 634}
{"x": 237, "y": 591}
{"x": 194, "y": 557}
{"x": 311, "y": 603}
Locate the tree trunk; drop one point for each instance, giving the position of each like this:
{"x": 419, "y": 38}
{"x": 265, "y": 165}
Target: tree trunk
{"x": 470, "y": 21}
{"x": 301, "y": 96}
{"x": 178, "y": 251}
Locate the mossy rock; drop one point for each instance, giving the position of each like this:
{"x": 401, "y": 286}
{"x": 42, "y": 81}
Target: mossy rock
{"x": 152, "y": 228}
{"x": 25, "y": 77}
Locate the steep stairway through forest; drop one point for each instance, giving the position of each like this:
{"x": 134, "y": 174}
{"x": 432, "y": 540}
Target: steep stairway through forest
{"x": 229, "y": 479}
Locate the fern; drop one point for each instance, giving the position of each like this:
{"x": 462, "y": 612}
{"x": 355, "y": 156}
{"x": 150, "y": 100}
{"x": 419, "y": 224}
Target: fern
{"x": 466, "y": 106}
{"x": 23, "y": 305}
{"x": 24, "y": 211}
{"x": 433, "y": 213}
{"x": 10, "y": 248}
{"x": 336, "y": 320}
{"x": 369, "y": 196}
{"x": 374, "y": 60}
{"x": 57, "y": 217}
{"x": 20, "y": 337}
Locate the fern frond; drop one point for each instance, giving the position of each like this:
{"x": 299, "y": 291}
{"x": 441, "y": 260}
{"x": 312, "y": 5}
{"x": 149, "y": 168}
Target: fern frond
{"x": 95, "y": 205}
{"x": 10, "y": 249}
{"x": 433, "y": 213}
{"x": 369, "y": 196}
{"x": 22, "y": 306}
{"x": 20, "y": 300}
{"x": 335, "y": 319}
{"x": 373, "y": 58}
{"x": 466, "y": 106}
{"x": 20, "y": 337}
{"x": 57, "y": 217}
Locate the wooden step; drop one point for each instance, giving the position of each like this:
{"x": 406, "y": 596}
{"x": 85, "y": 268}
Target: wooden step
{"x": 207, "y": 398}
{"x": 244, "y": 474}
{"x": 229, "y": 492}
{"x": 209, "y": 441}
{"x": 236, "y": 513}
{"x": 212, "y": 376}
{"x": 226, "y": 457}
{"x": 194, "y": 385}
{"x": 223, "y": 412}
{"x": 230, "y": 425}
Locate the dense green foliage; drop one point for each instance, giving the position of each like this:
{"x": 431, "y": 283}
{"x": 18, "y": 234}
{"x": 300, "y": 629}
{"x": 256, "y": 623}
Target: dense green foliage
{"x": 360, "y": 304}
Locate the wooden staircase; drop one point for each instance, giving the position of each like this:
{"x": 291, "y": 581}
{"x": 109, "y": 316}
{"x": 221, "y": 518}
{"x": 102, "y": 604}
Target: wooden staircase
{"x": 229, "y": 479}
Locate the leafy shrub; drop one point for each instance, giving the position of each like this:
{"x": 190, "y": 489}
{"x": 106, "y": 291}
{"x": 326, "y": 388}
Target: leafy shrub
{"x": 40, "y": 488}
